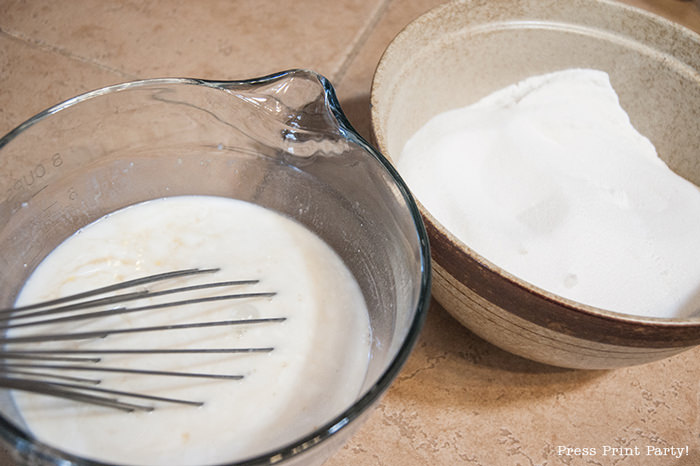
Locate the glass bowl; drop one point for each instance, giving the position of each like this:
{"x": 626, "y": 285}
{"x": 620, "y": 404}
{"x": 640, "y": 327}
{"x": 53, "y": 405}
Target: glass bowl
{"x": 279, "y": 141}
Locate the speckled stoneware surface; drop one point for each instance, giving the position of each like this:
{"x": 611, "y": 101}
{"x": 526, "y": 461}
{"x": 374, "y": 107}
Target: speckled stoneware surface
{"x": 461, "y": 51}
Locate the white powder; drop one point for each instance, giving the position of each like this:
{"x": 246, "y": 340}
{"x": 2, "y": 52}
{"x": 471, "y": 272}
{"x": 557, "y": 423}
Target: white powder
{"x": 315, "y": 371}
{"x": 548, "y": 179}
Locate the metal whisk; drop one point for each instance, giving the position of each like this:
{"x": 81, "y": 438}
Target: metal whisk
{"x": 43, "y": 371}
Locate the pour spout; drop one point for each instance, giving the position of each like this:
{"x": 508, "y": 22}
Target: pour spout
{"x": 303, "y": 103}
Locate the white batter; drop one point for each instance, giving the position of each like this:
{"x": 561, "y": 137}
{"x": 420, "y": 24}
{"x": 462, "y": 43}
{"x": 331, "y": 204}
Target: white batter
{"x": 315, "y": 371}
{"x": 548, "y": 179}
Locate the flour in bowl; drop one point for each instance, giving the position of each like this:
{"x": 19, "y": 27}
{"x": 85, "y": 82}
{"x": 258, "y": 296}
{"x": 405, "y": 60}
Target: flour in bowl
{"x": 549, "y": 180}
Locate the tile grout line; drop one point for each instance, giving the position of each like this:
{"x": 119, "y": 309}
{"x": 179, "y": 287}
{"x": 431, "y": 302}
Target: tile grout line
{"x": 63, "y": 52}
{"x": 361, "y": 40}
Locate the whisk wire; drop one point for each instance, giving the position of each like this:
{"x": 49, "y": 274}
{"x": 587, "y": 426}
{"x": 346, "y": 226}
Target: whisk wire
{"x": 43, "y": 371}
{"x": 106, "y": 332}
{"x": 122, "y": 370}
{"x": 138, "y": 295}
{"x": 77, "y": 392}
{"x": 110, "y": 288}
{"x": 127, "y": 310}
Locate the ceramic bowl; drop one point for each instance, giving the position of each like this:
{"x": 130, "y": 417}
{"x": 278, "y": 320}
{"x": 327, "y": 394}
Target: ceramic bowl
{"x": 461, "y": 51}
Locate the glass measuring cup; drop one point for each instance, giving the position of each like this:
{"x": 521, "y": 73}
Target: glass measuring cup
{"x": 279, "y": 141}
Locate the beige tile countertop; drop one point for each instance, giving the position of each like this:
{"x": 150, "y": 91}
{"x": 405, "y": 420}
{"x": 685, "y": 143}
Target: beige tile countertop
{"x": 458, "y": 400}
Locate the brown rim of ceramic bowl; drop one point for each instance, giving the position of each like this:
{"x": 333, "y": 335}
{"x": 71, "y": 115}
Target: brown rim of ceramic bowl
{"x": 549, "y": 310}
{"x": 515, "y": 295}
